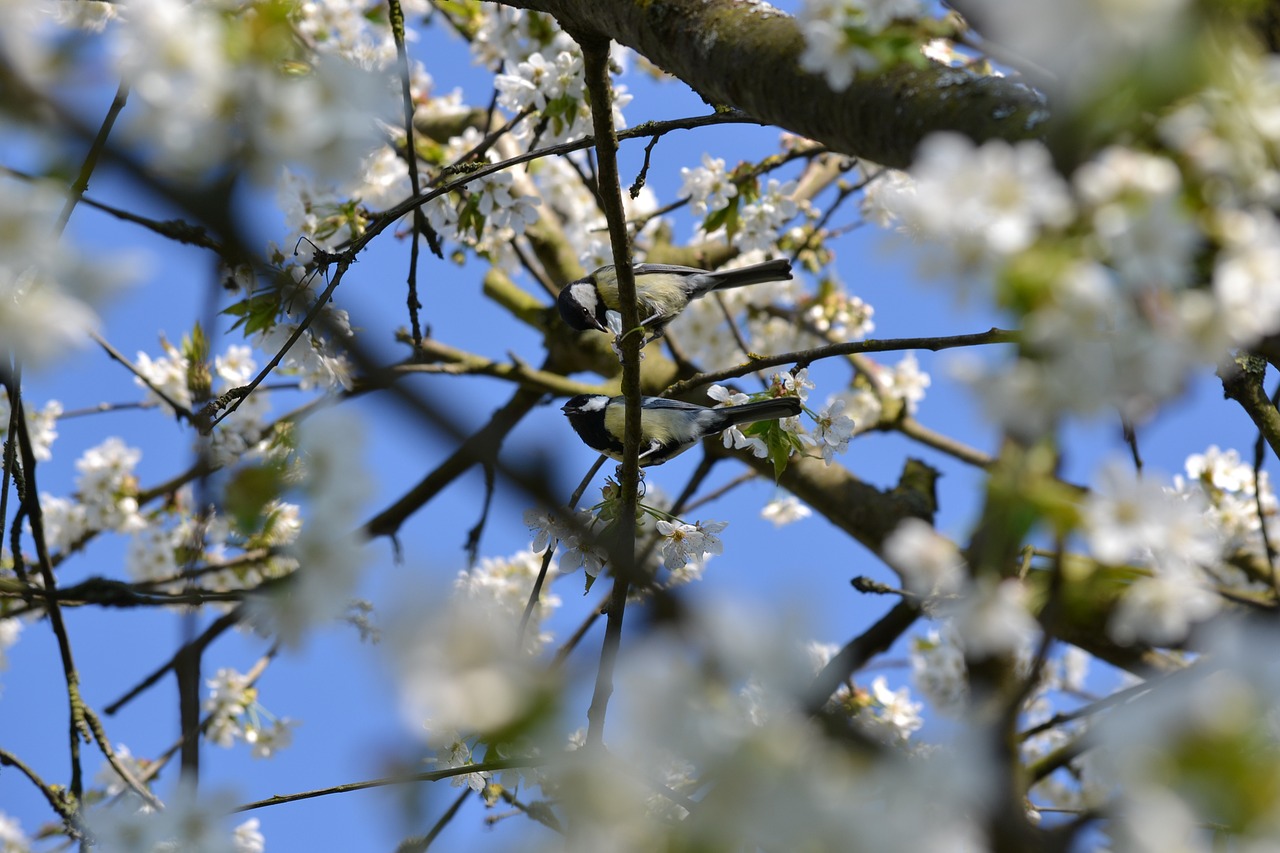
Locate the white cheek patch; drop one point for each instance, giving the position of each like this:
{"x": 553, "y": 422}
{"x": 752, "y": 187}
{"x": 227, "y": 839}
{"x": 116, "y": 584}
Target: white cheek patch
{"x": 595, "y": 404}
{"x": 585, "y": 295}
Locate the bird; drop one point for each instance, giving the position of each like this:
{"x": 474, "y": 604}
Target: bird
{"x": 667, "y": 427}
{"x": 662, "y": 292}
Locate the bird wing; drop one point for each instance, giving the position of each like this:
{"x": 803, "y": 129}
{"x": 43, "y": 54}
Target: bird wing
{"x": 673, "y": 269}
{"x": 665, "y": 403}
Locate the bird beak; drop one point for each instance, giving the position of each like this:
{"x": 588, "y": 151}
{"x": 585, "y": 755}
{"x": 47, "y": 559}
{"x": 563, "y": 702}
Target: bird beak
{"x": 565, "y": 408}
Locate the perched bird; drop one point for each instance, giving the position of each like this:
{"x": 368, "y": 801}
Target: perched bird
{"x": 662, "y": 291}
{"x": 667, "y": 427}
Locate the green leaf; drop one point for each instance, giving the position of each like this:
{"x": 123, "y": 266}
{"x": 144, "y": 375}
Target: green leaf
{"x": 247, "y": 495}
{"x": 470, "y": 218}
{"x": 725, "y": 216}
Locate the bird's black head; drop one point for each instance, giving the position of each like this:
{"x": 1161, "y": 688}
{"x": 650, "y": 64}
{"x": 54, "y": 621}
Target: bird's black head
{"x": 584, "y": 404}
{"x": 580, "y": 306}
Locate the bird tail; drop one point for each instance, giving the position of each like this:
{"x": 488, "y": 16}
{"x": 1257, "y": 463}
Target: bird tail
{"x": 762, "y": 410}
{"x": 779, "y": 269}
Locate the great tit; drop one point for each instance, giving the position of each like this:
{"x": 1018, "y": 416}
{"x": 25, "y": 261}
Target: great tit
{"x": 667, "y": 427}
{"x": 662, "y": 291}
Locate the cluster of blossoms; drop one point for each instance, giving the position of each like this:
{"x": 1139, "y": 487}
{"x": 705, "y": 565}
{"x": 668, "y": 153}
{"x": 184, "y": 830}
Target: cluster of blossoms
{"x": 12, "y": 838}
{"x": 106, "y": 497}
{"x": 506, "y": 35}
{"x": 553, "y": 88}
{"x": 1100, "y": 269}
{"x": 1136, "y": 521}
{"x": 171, "y": 376}
{"x": 763, "y": 314}
{"x": 316, "y": 358}
{"x": 761, "y": 220}
{"x": 463, "y": 666}
{"x": 889, "y": 715}
{"x": 683, "y": 547}
{"x": 489, "y": 212}
{"x": 185, "y": 85}
{"x": 831, "y": 431}
{"x": 235, "y": 714}
{"x": 585, "y": 228}
{"x": 506, "y": 582}
{"x": 707, "y": 187}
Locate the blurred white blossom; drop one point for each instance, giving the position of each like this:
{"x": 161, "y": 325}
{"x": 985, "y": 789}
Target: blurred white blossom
{"x": 992, "y": 618}
{"x": 1245, "y": 273}
{"x": 1084, "y": 43}
{"x": 985, "y": 202}
{"x": 930, "y": 564}
{"x": 50, "y": 291}
{"x": 329, "y": 550}
{"x": 190, "y": 821}
{"x": 827, "y": 25}
{"x": 459, "y": 667}
{"x": 785, "y": 509}
{"x": 42, "y": 425}
{"x": 12, "y": 838}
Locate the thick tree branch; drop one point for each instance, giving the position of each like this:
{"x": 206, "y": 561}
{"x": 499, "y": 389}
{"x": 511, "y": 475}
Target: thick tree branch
{"x": 746, "y": 56}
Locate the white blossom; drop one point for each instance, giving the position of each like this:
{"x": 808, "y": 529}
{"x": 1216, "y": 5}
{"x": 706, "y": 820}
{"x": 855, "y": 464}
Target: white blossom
{"x": 1140, "y": 225}
{"x": 939, "y": 671}
{"x": 893, "y": 712}
{"x": 834, "y": 428}
{"x": 906, "y": 382}
{"x": 189, "y": 821}
{"x": 1160, "y": 609}
{"x": 785, "y": 509}
{"x": 247, "y": 838}
{"x": 1084, "y": 43}
{"x": 107, "y": 487}
{"x": 507, "y": 582}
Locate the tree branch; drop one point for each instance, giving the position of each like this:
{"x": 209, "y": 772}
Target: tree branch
{"x": 746, "y": 55}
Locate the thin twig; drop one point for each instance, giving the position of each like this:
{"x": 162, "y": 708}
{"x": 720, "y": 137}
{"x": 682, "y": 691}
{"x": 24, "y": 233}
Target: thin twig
{"x": 396, "y": 14}
{"x": 179, "y": 410}
{"x": 428, "y": 776}
{"x": 803, "y": 358}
